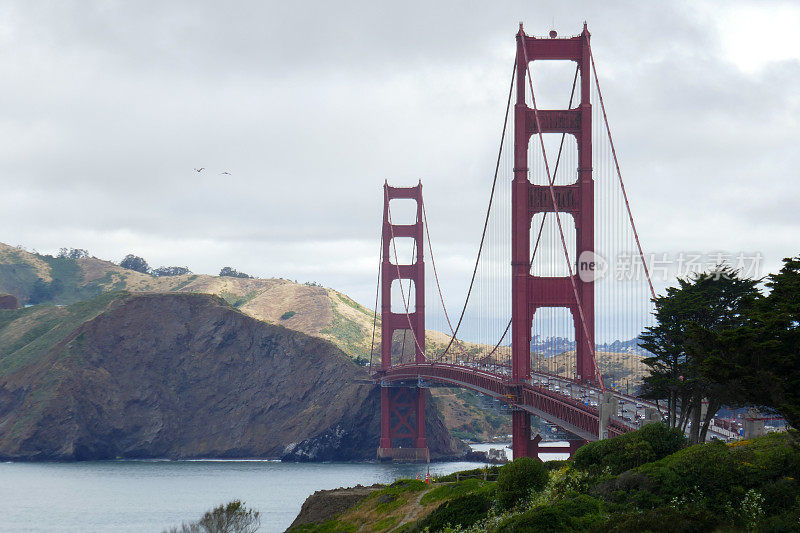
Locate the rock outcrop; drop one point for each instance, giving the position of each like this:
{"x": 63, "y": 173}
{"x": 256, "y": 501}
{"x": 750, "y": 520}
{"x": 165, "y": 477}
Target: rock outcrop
{"x": 179, "y": 376}
{"x": 323, "y": 505}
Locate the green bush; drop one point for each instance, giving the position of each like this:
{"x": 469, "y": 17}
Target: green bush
{"x": 462, "y": 511}
{"x": 785, "y": 523}
{"x": 287, "y": 315}
{"x": 780, "y": 496}
{"x": 651, "y": 443}
{"x": 518, "y": 478}
{"x": 705, "y": 471}
{"x": 663, "y": 519}
{"x": 556, "y": 464}
{"x": 580, "y": 513}
{"x": 773, "y": 456}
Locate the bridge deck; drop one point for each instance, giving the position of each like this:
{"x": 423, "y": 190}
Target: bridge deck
{"x": 559, "y": 400}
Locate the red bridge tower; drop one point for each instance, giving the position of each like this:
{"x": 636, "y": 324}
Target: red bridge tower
{"x": 402, "y": 403}
{"x": 576, "y": 199}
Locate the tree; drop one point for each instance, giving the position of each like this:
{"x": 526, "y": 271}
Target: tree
{"x": 760, "y": 361}
{"x": 232, "y": 272}
{"x": 170, "y": 271}
{"x": 688, "y": 317}
{"x": 232, "y": 517}
{"x": 134, "y": 262}
{"x": 73, "y": 253}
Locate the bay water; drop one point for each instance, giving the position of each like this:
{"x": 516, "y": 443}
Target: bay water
{"x": 151, "y": 496}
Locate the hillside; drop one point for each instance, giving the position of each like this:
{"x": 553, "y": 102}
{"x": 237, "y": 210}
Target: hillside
{"x": 179, "y": 375}
{"x": 308, "y": 308}
{"x": 642, "y": 481}
{"x": 314, "y": 310}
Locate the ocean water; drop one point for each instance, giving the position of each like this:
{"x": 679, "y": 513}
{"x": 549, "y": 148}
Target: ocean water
{"x": 151, "y": 496}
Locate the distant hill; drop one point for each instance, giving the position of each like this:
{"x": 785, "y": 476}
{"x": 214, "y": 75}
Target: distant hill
{"x": 619, "y": 361}
{"x": 551, "y": 346}
{"x": 314, "y": 310}
{"x": 34, "y": 278}
{"x": 179, "y": 375}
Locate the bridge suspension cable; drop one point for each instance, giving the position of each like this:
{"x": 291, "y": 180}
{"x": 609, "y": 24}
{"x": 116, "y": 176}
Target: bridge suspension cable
{"x": 377, "y": 295}
{"x": 439, "y": 286}
{"x": 488, "y": 211}
{"x": 619, "y": 174}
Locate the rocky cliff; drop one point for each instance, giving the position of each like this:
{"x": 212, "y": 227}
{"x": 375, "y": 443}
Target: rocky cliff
{"x": 180, "y": 376}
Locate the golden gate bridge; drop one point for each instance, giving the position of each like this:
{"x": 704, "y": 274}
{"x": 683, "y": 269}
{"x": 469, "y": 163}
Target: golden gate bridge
{"x": 558, "y": 212}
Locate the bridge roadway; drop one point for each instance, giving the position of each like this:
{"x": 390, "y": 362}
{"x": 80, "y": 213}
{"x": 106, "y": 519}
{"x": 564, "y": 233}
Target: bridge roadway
{"x": 566, "y": 403}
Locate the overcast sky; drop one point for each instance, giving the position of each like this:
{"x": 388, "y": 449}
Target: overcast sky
{"x": 106, "y": 108}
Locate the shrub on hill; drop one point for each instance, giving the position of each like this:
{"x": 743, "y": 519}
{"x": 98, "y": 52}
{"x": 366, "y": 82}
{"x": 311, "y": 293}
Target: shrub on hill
{"x": 136, "y": 263}
{"x": 580, "y": 513}
{"x": 233, "y": 273}
{"x": 462, "y": 511}
{"x": 702, "y": 472}
{"x": 738, "y": 482}
{"x": 43, "y": 291}
{"x": 517, "y": 479}
{"x": 749, "y": 485}
{"x": 170, "y": 271}
{"x": 665, "y": 519}
{"x": 651, "y": 443}
{"x": 73, "y": 253}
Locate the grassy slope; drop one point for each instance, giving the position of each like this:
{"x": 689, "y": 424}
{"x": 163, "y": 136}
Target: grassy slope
{"x": 27, "y": 335}
{"x": 711, "y": 487}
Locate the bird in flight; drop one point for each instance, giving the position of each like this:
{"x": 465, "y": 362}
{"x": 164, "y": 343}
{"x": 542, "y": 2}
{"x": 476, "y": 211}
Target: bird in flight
{"x": 226, "y": 172}
{"x": 200, "y": 169}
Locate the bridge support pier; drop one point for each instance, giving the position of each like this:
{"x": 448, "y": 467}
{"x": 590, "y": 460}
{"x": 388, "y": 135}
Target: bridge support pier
{"x": 403, "y": 425}
{"x": 607, "y": 408}
{"x": 753, "y": 424}
{"x": 651, "y": 416}
{"x": 520, "y": 433}
{"x": 524, "y": 446}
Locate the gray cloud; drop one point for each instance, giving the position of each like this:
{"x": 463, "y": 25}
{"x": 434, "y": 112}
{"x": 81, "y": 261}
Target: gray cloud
{"x": 105, "y": 108}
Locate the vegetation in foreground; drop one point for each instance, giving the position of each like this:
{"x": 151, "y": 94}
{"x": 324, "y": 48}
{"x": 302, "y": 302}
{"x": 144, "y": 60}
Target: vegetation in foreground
{"x": 232, "y": 517}
{"x": 648, "y": 480}
{"x": 720, "y": 340}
